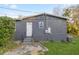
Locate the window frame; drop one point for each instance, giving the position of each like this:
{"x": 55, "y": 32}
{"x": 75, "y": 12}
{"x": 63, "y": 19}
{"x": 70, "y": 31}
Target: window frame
{"x": 41, "y": 24}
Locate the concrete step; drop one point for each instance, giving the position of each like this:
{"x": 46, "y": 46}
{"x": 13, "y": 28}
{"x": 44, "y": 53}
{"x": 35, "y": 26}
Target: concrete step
{"x": 27, "y": 39}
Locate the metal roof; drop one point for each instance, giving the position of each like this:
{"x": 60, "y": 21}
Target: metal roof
{"x": 62, "y": 17}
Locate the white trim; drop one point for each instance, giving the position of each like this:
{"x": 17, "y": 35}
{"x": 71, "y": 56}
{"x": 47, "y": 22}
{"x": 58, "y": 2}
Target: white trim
{"x": 28, "y": 29}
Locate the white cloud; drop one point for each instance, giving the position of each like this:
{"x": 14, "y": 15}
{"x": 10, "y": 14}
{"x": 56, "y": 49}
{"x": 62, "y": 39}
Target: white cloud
{"x": 6, "y": 4}
{"x": 13, "y": 6}
{"x": 67, "y": 5}
{"x": 9, "y": 15}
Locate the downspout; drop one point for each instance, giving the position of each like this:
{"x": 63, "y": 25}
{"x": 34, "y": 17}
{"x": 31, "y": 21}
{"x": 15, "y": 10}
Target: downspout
{"x": 45, "y": 26}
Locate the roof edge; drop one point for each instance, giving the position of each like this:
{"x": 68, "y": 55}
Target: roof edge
{"x": 47, "y": 14}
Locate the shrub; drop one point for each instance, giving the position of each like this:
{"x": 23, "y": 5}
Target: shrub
{"x": 7, "y": 26}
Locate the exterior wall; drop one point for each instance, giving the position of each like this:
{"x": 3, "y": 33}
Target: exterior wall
{"x": 37, "y": 33}
{"x": 58, "y": 28}
{"x": 57, "y": 25}
{"x": 20, "y": 30}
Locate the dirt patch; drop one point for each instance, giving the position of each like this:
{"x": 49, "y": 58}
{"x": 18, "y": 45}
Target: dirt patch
{"x": 27, "y": 49}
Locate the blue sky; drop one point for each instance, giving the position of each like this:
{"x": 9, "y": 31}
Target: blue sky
{"x": 40, "y": 8}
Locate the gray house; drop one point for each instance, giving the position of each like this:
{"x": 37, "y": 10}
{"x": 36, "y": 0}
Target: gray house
{"x": 41, "y": 27}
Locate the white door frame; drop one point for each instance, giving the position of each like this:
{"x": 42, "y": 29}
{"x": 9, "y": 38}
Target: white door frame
{"x": 28, "y": 29}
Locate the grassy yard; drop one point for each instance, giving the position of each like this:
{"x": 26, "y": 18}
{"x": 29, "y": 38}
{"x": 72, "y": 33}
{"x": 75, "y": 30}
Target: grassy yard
{"x": 62, "y": 48}
{"x": 8, "y": 47}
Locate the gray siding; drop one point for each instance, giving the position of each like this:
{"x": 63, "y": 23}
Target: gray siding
{"x": 57, "y": 25}
{"x": 20, "y": 30}
{"x": 38, "y": 33}
{"x": 58, "y": 28}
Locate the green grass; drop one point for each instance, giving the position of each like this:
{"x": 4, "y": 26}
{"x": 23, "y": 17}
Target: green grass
{"x": 62, "y": 48}
{"x": 8, "y": 47}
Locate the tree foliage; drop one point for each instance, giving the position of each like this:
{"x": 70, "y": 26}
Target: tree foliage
{"x": 66, "y": 12}
{"x": 72, "y": 12}
{"x": 7, "y": 26}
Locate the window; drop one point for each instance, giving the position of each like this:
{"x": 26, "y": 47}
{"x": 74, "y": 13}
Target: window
{"x": 41, "y": 24}
{"x": 48, "y": 30}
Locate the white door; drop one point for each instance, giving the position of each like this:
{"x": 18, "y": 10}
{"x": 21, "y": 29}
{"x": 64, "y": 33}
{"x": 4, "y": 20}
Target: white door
{"x": 28, "y": 28}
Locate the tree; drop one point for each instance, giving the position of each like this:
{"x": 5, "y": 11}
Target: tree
{"x": 7, "y": 26}
{"x": 73, "y": 13}
{"x": 66, "y": 12}
{"x": 57, "y": 11}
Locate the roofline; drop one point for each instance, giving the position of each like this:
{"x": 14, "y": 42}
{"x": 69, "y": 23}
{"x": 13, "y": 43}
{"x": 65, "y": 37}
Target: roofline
{"x": 57, "y": 16}
{"x": 46, "y": 14}
{"x": 32, "y": 16}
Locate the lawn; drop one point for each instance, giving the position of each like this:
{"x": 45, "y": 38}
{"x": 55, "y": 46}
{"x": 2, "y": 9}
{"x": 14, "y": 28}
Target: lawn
{"x": 62, "y": 48}
{"x": 8, "y": 47}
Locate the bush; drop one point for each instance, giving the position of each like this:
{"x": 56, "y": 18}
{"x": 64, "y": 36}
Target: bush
{"x": 7, "y": 26}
